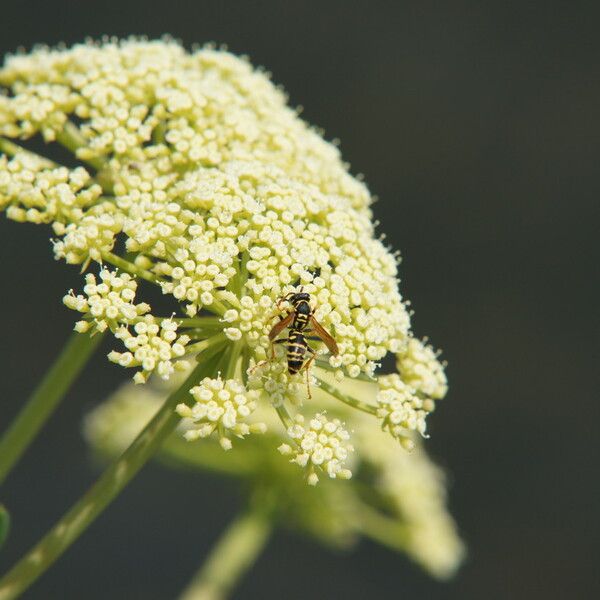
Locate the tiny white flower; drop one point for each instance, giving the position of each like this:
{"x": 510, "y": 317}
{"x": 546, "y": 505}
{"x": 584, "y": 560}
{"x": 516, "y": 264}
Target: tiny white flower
{"x": 108, "y": 301}
{"x": 152, "y": 346}
{"x": 221, "y": 406}
{"x": 401, "y": 411}
{"x": 322, "y": 445}
{"x": 420, "y": 368}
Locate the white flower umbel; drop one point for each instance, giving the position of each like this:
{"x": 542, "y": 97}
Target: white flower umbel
{"x": 420, "y": 368}
{"x": 417, "y": 487}
{"x": 222, "y": 406}
{"x": 152, "y": 346}
{"x": 87, "y": 238}
{"x": 32, "y": 191}
{"x": 213, "y": 182}
{"x": 108, "y": 301}
{"x": 401, "y": 411}
{"x": 200, "y": 180}
{"x": 322, "y": 444}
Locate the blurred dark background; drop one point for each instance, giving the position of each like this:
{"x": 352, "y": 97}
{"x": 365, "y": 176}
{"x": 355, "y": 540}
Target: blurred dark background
{"x": 478, "y": 127}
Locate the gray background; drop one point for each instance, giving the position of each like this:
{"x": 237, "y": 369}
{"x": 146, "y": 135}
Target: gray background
{"x": 477, "y": 125}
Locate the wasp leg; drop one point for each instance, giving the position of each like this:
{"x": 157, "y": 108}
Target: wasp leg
{"x": 314, "y": 338}
{"x": 271, "y": 359}
{"x": 280, "y": 341}
{"x": 306, "y": 368}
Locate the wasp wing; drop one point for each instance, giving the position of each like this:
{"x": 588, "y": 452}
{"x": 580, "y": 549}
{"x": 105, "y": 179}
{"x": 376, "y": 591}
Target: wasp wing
{"x": 329, "y": 341}
{"x": 280, "y": 326}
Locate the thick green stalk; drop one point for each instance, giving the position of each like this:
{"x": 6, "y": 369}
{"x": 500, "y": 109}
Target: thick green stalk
{"x": 349, "y": 400}
{"x": 106, "y": 488}
{"x": 235, "y": 552}
{"x": 45, "y": 399}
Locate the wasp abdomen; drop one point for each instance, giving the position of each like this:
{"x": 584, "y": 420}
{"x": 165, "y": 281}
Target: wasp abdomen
{"x": 295, "y": 352}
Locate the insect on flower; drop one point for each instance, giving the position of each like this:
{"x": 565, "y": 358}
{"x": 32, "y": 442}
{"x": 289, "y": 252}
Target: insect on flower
{"x": 300, "y": 320}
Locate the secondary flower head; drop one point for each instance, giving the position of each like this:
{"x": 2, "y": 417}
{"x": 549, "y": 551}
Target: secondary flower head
{"x": 323, "y": 443}
{"x": 220, "y": 405}
{"x": 395, "y": 498}
{"x": 420, "y": 368}
{"x": 401, "y": 410}
{"x": 199, "y": 180}
{"x": 108, "y": 301}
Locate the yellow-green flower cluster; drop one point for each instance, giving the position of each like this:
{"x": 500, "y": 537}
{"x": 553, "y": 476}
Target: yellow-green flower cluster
{"x": 91, "y": 236}
{"x": 401, "y": 410}
{"x": 154, "y": 346}
{"x": 420, "y": 369}
{"x": 222, "y": 406}
{"x": 418, "y": 490}
{"x": 33, "y": 190}
{"x": 108, "y": 301}
{"x": 202, "y": 182}
{"x": 415, "y": 489}
{"x": 396, "y": 498}
{"x": 323, "y": 444}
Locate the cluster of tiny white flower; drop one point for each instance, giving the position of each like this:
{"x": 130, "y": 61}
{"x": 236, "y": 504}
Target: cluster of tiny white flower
{"x": 89, "y": 237}
{"x": 401, "y": 411}
{"x": 407, "y": 491}
{"x": 222, "y": 406}
{"x": 34, "y": 191}
{"x": 324, "y": 444}
{"x": 270, "y": 198}
{"x": 107, "y": 303}
{"x": 417, "y": 488}
{"x": 420, "y": 369}
{"x": 154, "y": 347}
{"x": 221, "y": 196}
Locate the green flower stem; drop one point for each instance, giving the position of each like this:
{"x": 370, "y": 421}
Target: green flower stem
{"x": 200, "y": 322}
{"x": 217, "y": 307}
{"x": 11, "y": 149}
{"x": 381, "y": 528}
{"x": 158, "y": 134}
{"x": 201, "y": 347}
{"x": 236, "y": 350}
{"x": 245, "y": 364}
{"x": 284, "y": 416}
{"x": 71, "y": 138}
{"x": 45, "y": 399}
{"x": 235, "y": 552}
{"x": 229, "y": 297}
{"x": 4, "y": 524}
{"x": 353, "y": 402}
{"x": 101, "y": 494}
{"x": 129, "y": 267}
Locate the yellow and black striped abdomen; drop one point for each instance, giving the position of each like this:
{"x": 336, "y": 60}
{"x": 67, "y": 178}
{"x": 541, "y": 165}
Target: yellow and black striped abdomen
{"x": 296, "y": 349}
